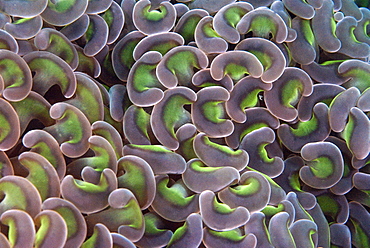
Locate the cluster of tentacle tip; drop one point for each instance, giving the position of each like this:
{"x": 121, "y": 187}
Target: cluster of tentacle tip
{"x": 188, "y": 123}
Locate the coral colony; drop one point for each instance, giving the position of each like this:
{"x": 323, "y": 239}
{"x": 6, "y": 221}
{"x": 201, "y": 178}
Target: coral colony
{"x": 188, "y": 123}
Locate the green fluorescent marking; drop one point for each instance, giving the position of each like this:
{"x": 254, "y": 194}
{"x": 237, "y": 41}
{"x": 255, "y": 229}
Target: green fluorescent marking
{"x": 290, "y": 92}
{"x": 154, "y": 15}
{"x": 207, "y": 84}
{"x": 294, "y": 182}
{"x": 328, "y": 205}
{"x": 305, "y": 128}
{"x": 173, "y": 112}
{"x": 183, "y": 70}
{"x": 249, "y": 187}
{"x": 209, "y": 31}
{"x": 225, "y": 149}
{"x": 322, "y": 167}
{"x": 264, "y": 58}
{"x": 108, "y": 17}
{"x": 49, "y": 71}
{"x": 12, "y": 233}
{"x": 93, "y": 188}
{"x": 233, "y": 15}
{"x": 180, "y": 232}
{"x": 331, "y": 62}
{"x": 164, "y": 47}
{"x": 174, "y": 195}
{"x": 360, "y": 78}
{"x": 37, "y": 176}
{"x": 127, "y": 58}
{"x": 4, "y": 46}
{"x": 272, "y": 183}
{"x": 359, "y": 237}
{"x": 187, "y": 149}
{"x": 236, "y": 72}
{"x": 262, "y": 26}
{"x": 367, "y": 163}
{"x": 352, "y": 35}
{"x": 150, "y": 225}
{"x": 213, "y": 112}
{"x": 200, "y": 167}
{"x": 70, "y": 220}
{"x": 60, "y": 47}
{"x": 142, "y": 120}
{"x": 334, "y": 99}
{"x": 346, "y": 169}
{"x": 92, "y": 241}
{"x": 270, "y": 210}
{"x": 333, "y": 25}
{"x": 22, "y": 20}
{"x": 188, "y": 29}
{"x": 107, "y": 118}
{"x": 39, "y": 110}
{"x": 250, "y": 99}
{"x": 327, "y": 101}
{"x": 61, "y": 6}
{"x": 89, "y": 34}
{"x": 152, "y": 148}
{"x": 348, "y": 130}
{"x": 85, "y": 63}
{"x": 70, "y": 127}
{"x": 107, "y": 65}
{"x": 263, "y": 154}
{"x": 101, "y": 159}
{"x": 43, "y": 149}
{"x": 43, "y": 231}
{"x": 221, "y": 207}
{"x": 307, "y": 31}
{"x": 367, "y": 22}
{"x": 5, "y": 127}
{"x": 144, "y": 77}
{"x": 312, "y": 232}
{"x": 251, "y": 128}
{"x": 233, "y": 235}
{"x": 14, "y": 196}
{"x": 367, "y": 192}
{"x": 11, "y": 72}
{"x": 264, "y": 228}
{"x": 134, "y": 180}
{"x": 133, "y": 212}
{"x": 107, "y": 135}
{"x": 87, "y": 102}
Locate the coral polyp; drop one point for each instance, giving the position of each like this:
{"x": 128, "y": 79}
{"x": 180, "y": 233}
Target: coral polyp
{"x": 184, "y": 123}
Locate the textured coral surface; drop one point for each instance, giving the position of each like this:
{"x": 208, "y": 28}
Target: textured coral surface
{"x": 187, "y": 123}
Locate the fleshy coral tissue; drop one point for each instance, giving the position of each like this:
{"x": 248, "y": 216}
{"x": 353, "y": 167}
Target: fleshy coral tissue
{"x": 184, "y": 123}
